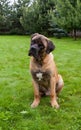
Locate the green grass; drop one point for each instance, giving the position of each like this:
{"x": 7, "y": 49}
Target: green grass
{"x": 16, "y": 91}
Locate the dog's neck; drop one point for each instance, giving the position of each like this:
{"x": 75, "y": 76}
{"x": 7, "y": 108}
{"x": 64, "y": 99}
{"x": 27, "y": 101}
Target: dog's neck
{"x": 40, "y": 59}
{"x": 46, "y": 61}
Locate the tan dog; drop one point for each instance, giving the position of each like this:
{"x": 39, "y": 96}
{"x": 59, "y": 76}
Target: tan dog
{"x": 46, "y": 80}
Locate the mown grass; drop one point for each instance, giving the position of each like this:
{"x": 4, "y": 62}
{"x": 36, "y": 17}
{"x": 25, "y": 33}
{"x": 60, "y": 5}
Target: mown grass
{"x": 16, "y": 91}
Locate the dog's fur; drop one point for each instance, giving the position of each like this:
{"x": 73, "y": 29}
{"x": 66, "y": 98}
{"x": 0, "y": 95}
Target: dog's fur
{"x": 46, "y": 80}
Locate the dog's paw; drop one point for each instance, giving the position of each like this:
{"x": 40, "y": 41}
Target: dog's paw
{"x": 55, "y": 104}
{"x": 35, "y": 104}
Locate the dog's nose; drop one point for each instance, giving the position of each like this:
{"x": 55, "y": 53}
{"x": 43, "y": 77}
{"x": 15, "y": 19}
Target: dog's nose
{"x": 33, "y": 50}
{"x": 34, "y": 47}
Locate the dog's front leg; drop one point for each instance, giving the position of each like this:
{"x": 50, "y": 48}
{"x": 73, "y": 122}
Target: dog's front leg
{"x": 36, "y": 95}
{"x": 53, "y": 93}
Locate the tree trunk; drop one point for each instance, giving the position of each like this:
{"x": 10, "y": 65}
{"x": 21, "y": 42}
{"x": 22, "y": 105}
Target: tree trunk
{"x": 74, "y": 34}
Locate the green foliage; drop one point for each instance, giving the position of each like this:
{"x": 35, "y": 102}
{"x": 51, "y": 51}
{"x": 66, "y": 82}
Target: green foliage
{"x": 16, "y": 90}
{"x": 45, "y": 9}
{"x": 68, "y": 14}
{"x": 36, "y": 18}
{"x": 10, "y": 16}
{"x": 29, "y": 20}
{"x": 4, "y": 15}
{"x": 16, "y": 13}
{"x": 42, "y": 16}
{"x": 55, "y": 30}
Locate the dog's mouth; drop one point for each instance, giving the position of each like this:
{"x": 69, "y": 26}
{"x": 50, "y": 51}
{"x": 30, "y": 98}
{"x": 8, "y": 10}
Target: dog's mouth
{"x": 35, "y": 51}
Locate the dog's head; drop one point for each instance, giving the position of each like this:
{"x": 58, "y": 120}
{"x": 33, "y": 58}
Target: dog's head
{"x": 40, "y": 44}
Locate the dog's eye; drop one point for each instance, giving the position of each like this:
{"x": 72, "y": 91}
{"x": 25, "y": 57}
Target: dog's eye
{"x": 41, "y": 46}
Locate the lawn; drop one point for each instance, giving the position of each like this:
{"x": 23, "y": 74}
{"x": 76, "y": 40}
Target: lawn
{"x": 16, "y": 91}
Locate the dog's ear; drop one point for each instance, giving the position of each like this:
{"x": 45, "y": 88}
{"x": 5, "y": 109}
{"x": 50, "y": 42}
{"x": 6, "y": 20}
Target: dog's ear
{"x": 50, "y": 47}
{"x": 33, "y": 35}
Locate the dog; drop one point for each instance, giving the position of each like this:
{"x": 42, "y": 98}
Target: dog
{"x": 45, "y": 78}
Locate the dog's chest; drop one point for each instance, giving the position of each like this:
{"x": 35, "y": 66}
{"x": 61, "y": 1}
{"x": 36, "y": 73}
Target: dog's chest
{"x": 41, "y": 77}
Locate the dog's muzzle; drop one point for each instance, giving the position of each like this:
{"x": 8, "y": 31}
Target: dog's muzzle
{"x": 34, "y": 50}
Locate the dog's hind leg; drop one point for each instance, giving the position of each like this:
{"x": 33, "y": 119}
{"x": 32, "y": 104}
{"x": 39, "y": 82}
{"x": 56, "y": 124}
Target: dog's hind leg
{"x": 59, "y": 84}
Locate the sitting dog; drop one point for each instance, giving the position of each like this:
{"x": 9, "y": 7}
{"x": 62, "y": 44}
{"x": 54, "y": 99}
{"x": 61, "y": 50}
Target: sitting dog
{"x": 46, "y": 80}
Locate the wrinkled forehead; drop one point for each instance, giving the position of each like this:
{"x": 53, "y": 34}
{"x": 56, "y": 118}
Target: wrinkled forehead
{"x": 36, "y": 39}
{"x": 39, "y": 39}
